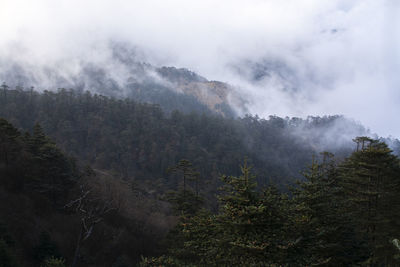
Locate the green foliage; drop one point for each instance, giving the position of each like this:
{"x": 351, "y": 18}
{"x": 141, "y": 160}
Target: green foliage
{"x": 371, "y": 180}
{"x": 7, "y": 257}
{"x": 342, "y": 213}
{"x": 35, "y": 162}
{"x": 163, "y": 261}
{"x": 328, "y": 231}
{"x": 37, "y": 180}
{"x": 46, "y": 248}
{"x": 53, "y": 262}
{"x": 251, "y": 224}
{"x": 140, "y": 141}
{"x": 186, "y": 200}
{"x": 249, "y": 229}
{"x": 11, "y": 160}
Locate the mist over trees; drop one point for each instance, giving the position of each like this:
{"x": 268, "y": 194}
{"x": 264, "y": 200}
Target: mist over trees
{"x": 138, "y": 139}
{"x": 199, "y": 133}
{"x": 123, "y": 74}
{"x": 127, "y": 183}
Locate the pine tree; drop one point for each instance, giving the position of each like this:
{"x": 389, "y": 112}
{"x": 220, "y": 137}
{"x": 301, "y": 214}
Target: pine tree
{"x": 5, "y": 87}
{"x": 249, "y": 229}
{"x": 185, "y": 200}
{"x": 9, "y": 143}
{"x": 371, "y": 180}
{"x": 329, "y": 237}
{"x": 12, "y": 158}
{"x": 52, "y": 173}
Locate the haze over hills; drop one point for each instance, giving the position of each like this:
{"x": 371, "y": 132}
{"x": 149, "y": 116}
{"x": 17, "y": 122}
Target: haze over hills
{"x": 121, "y": 74}
{"x": 331, "y": 58}
{"x": 199, "y": 133}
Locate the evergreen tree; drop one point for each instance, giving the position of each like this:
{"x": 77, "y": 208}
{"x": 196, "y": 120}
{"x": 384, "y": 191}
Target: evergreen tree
{"x": 185, "y": 200}
{"x": 12, "y": 158}
{"x": 371, "y": 180}
{"x": 9, "y": 143}
{"x": 5, "y": 87}
{"x": 249, "y": 229}
{"x": 52, "y": 173}
{"x": 328, "y": 234}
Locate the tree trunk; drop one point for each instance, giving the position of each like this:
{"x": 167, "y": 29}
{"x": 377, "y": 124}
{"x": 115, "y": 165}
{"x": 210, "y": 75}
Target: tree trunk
{"x": 78, "y": 248}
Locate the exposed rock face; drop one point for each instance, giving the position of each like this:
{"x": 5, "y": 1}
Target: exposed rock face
{"x": 215, "y": 95}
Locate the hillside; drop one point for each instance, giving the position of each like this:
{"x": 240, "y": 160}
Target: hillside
{"x": 140, "y": 140}
{"x": 121, "y": 73}
{"x": 58, "y": 212}
{"x": 52, "y": 204}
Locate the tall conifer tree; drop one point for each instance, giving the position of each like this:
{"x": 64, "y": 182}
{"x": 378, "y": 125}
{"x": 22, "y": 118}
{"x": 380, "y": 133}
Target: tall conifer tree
{"x": 371, "y": 179}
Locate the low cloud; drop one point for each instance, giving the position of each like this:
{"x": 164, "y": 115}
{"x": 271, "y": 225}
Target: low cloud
{"x": 291, "y": 58}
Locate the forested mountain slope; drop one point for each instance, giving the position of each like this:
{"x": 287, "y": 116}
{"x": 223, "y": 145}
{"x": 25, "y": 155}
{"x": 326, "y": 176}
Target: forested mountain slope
{"x": 120, "y": 72}
{"x": 53, "y": 208}
{"x": 131, "y": 147}
{"x": 342, "y": 214}
{"x": 140, "y": 141}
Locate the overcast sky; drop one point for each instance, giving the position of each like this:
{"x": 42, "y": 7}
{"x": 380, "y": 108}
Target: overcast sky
{"x": 331, "y": 56}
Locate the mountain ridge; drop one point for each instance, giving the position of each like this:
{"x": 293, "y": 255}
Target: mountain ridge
{"x": 123, "y": 74}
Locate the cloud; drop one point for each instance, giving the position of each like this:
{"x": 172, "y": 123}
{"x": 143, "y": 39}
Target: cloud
{"x": 312, "y": 57}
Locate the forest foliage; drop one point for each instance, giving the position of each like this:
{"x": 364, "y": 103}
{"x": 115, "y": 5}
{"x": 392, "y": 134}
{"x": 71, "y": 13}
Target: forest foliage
{"x": 342, "y": 214}
{"x": 56, "y": 210}
{"x": 137, "y": 140}
{"x": 120, "y": 183}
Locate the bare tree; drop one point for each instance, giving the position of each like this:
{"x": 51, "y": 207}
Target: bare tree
{"x": 91, "y": 211}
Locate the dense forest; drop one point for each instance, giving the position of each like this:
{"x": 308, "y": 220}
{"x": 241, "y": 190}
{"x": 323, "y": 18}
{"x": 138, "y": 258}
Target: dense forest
{"x": 51, "y": 203}
{"x": 138, "y": 139}
{"x": 89, "y": 180}
{"x": 342, "y": 214}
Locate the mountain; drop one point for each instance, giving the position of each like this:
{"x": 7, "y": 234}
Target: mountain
{"x": 121, "y": 73}
{"x": 139, "y": 141}
{"x": 135, "y": 145}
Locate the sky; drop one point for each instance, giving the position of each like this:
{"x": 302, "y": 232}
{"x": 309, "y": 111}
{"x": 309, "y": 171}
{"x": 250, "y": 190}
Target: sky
{"x": 322, "y": 57}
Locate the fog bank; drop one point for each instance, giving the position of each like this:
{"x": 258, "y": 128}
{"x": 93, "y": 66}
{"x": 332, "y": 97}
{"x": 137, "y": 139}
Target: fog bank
{"x": 291, "y": 58}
